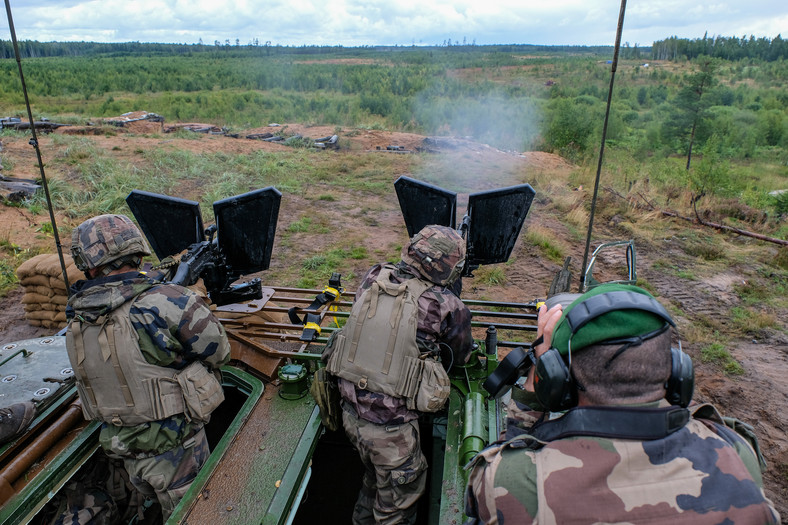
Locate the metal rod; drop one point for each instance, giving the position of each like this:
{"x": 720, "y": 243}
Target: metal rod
{"x": 479, "y": 302}
{"x": 501, "y": 326}
{"x": 507, "y": 315}
{"x": 34, "y": 143}
{"x": 604, "y": 136}
{"x": 40, "y": 446}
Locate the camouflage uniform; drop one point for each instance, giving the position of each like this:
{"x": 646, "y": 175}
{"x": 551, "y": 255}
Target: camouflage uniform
{"x": 174, "y": 327}
{"x": 381, "y": 427}
{"x": 168, "y": 475}
{"x": 704, "y": 473}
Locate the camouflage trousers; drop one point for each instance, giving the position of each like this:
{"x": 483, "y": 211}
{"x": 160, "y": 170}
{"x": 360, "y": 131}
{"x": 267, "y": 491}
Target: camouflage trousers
{"x": 169, "y": 475}
{"x": 395, "y": 470}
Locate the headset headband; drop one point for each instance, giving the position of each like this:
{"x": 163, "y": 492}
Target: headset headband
{"x": 598, "y": 305}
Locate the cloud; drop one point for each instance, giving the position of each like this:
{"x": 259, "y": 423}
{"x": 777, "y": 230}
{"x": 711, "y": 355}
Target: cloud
{"x": 383, "y": 22}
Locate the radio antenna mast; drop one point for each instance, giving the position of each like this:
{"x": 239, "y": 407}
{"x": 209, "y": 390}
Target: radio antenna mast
{"x": 34, "y": 143}
{"x": 604, "y": 135}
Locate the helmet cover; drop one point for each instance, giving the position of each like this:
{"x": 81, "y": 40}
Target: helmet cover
{"x": 437, "y": 252}
{"x": 105, "y": 238}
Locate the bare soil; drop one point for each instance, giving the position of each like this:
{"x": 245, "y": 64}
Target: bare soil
{"x": 758, "y": 396}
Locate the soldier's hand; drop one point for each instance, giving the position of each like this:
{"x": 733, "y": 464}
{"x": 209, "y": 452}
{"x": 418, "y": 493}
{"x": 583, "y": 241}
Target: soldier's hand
{"x": 544, "y": 330}
{"x": 544, "y": 327}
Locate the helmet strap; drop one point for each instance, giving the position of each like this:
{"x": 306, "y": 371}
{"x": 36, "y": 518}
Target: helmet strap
{"x": 128, "y": 260}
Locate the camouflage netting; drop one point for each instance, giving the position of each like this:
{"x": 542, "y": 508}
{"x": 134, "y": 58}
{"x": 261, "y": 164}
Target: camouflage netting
{"x": 45, "y": 292}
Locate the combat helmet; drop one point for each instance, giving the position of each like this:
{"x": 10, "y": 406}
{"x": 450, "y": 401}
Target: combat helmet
{"x": 108, "y": 241}
{"x": 437, "y": 252}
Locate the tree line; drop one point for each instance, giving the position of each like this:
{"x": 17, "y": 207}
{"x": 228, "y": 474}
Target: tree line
{"x": 728, "y": 48}
{"x": 36, "y": 49}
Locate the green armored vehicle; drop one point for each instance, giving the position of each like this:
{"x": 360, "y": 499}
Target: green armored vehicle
{"x": 272, "y": 459}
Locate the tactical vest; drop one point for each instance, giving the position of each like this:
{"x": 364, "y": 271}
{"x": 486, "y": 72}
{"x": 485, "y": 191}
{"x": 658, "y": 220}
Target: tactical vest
{"x": 377, "y": 350}
{"x": 118, "y": 386}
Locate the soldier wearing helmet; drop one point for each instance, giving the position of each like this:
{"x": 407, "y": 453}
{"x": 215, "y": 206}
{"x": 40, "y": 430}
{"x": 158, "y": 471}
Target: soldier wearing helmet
{"x": 105, "y": 243}
{"x": 628, "y": 447}
{"x": 405, "y": 330}
{"x": 129, "y": 336}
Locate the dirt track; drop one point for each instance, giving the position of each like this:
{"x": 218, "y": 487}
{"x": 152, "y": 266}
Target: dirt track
{"x": 758, "y": 396}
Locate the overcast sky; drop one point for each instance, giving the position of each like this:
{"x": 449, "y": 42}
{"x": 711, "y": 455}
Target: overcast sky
{"x": 392, "y": 22}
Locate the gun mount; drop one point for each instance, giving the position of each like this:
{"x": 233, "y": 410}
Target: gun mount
{"x": 240, "y": 243}
{"x": 490, "y": 226}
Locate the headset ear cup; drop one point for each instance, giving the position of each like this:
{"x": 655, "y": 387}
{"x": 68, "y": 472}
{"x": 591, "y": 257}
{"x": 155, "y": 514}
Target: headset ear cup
{"x": 554, "y": 386}
{"x": 681, "y": 384}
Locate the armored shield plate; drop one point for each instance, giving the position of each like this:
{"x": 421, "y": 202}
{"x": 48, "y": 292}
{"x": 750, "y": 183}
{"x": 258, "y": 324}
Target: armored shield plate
{"x": 423, "y": 204}
{"x": 496, "y": 218}
{"x": 170, "y": 224}
{"x": 245, "y": 228}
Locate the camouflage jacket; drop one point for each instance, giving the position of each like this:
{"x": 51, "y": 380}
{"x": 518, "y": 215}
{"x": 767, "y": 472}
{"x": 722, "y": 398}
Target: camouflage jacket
{"x": 443, "y": 318}
{"x": 175, "y": 327}
{"x": 704, "y": 473}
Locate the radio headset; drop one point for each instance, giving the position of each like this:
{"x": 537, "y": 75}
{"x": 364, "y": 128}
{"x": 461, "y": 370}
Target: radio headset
{"x": 556, "y": 388}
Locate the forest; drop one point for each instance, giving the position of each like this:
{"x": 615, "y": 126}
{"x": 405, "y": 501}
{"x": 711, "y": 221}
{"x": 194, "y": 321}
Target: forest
{"x": 729, "y": 48}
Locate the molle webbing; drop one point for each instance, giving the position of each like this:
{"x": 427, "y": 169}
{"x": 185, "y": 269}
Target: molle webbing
{"x": 377, "y": 348}
{"x": 107, "y": 340}
{"x": 116, "y": 383}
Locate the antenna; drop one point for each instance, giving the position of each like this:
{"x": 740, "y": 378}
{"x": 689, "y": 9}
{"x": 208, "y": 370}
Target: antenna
{"x": 34, "y": 143}
{"x": 604, "y": 135}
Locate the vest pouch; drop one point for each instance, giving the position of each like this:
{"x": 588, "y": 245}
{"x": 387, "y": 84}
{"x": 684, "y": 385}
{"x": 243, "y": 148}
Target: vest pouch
{"x": 335, "y": 340}
{"x": 326, "y": 394}
{"x": 334, "y": 352}
{"x": 88, "y": 409}
{"x": 202, "y": 391}
{"x": 434, "y": 386}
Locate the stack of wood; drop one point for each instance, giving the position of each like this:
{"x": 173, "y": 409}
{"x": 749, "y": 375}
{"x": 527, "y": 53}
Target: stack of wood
{"x": 45, "y": 291}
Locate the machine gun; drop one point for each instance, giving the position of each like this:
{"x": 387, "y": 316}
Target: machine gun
{"x": 240, "y": 243}
{"x": 490, "y": 226}
{"x": 204, "y": 260}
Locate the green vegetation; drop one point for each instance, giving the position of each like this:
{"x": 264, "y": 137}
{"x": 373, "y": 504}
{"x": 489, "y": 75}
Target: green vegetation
{"x": 724, "y": 99}
{"x": 547, "y": 243}
{"x": 317, "y": 269}
{"x": 718, "y": 354}
{"x": 10, "y": 258}
{"x": 302, "y": 225}
{"x": 8, "y": 278}
{"x": 490, "y": 275}
{"x": 729, "y": 48}
{"x": 513, "y": 97}
{"x": 751, "y": 320}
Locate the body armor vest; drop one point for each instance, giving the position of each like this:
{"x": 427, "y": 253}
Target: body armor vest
{"x": 118, "y": 386}
{"x": 377, "y": 350}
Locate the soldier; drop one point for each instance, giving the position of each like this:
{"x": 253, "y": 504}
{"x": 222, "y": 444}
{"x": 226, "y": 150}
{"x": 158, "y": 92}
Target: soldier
{"x": 627, "y": 450}
{"x": 386, "y": 357}
{"x": 146, "y": 357}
